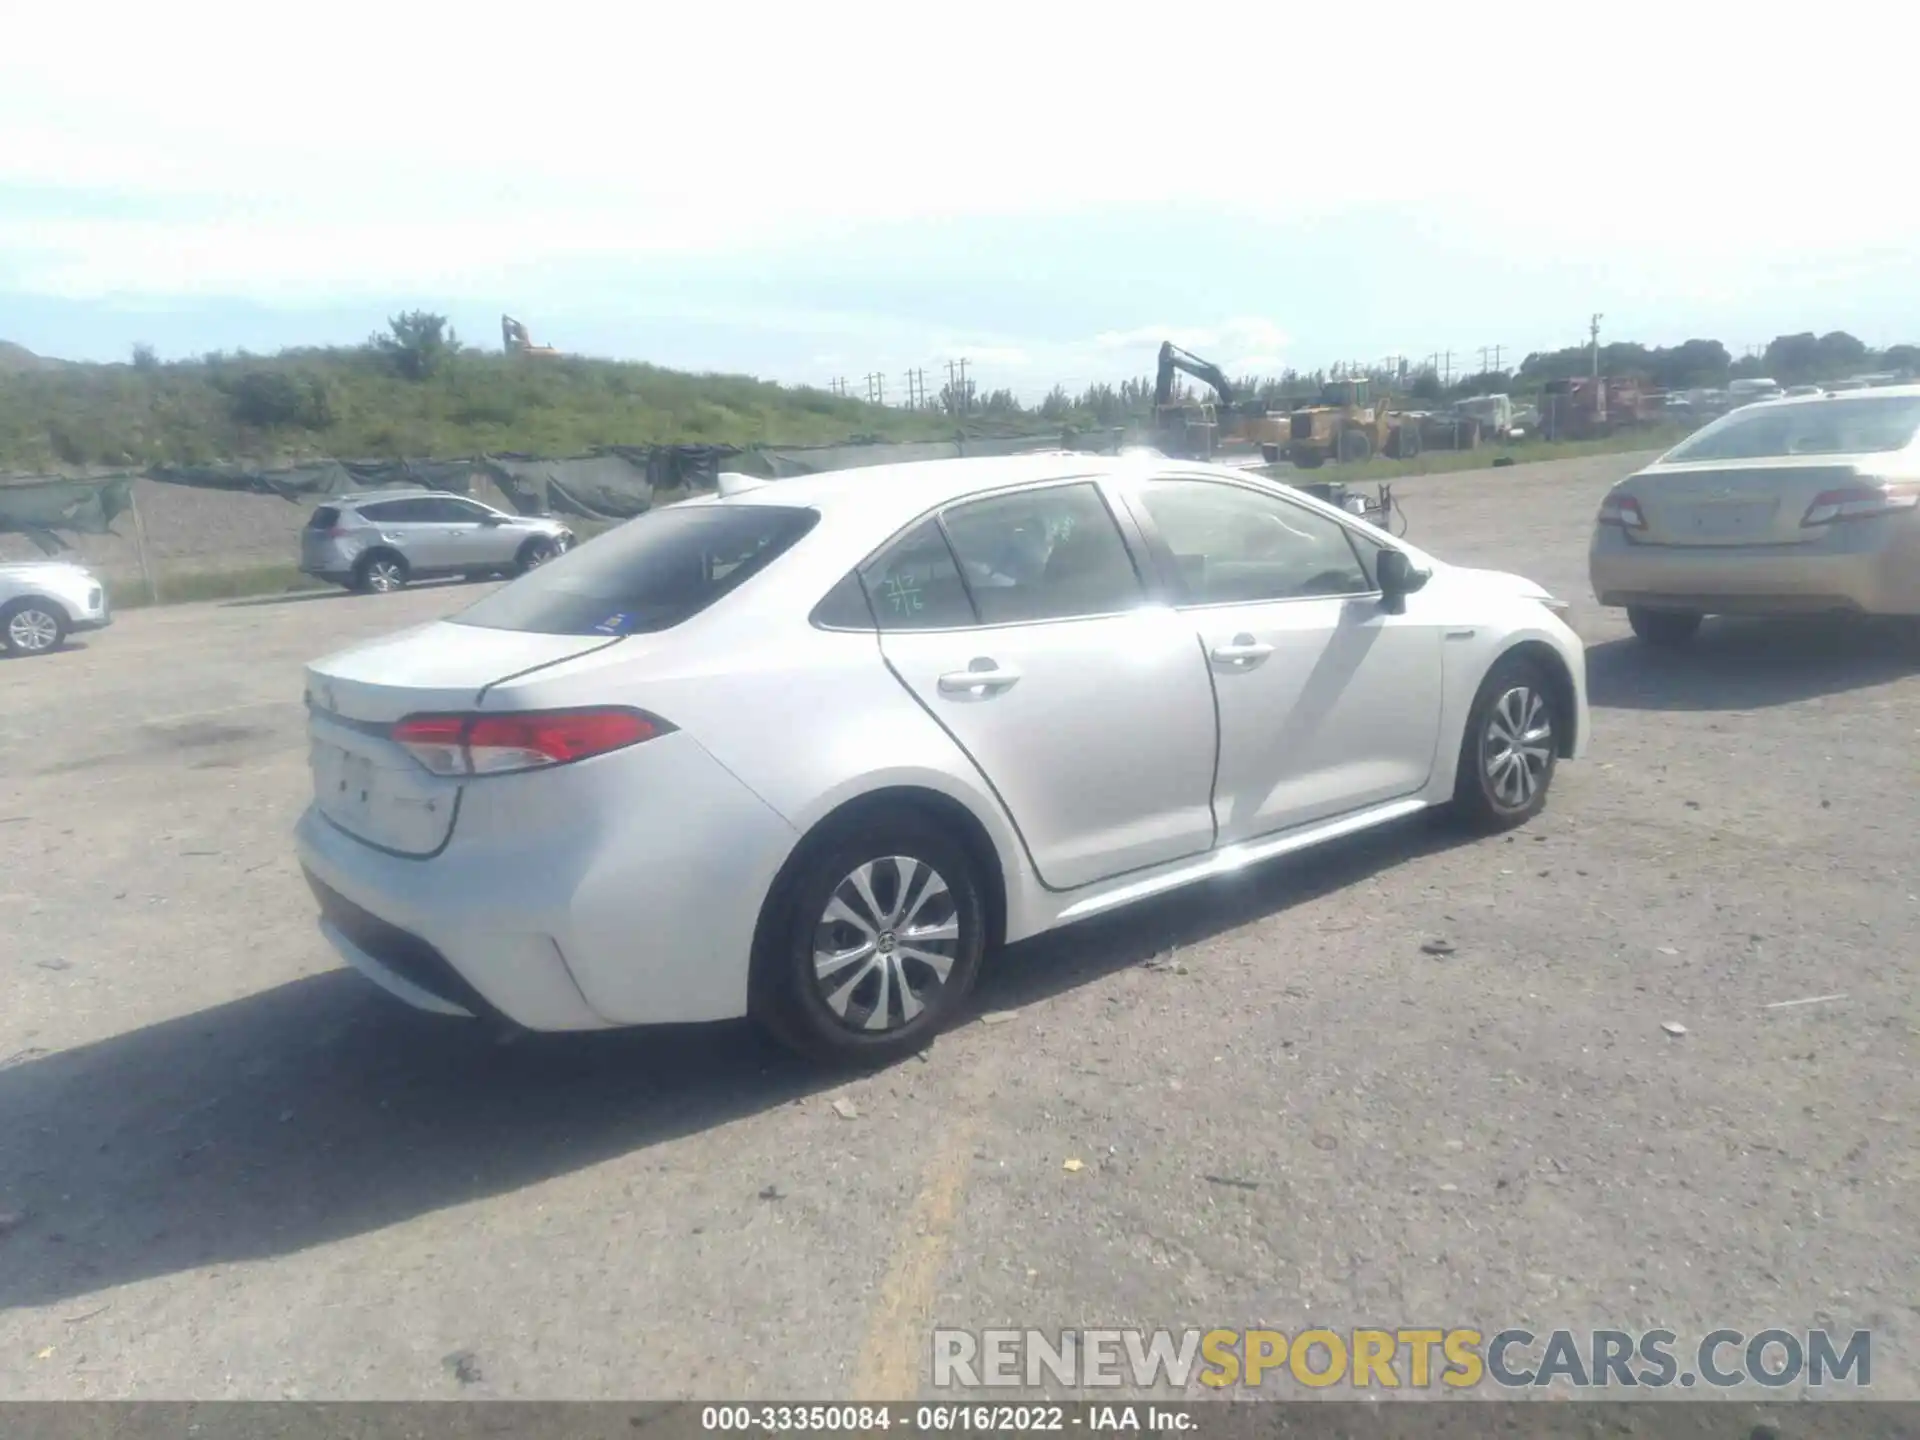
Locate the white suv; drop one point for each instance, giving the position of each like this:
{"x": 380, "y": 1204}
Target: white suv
{"x": 44, "y": 601}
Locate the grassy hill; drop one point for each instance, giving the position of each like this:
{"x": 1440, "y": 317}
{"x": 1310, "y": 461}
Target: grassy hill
{"x": 357, "y": 404}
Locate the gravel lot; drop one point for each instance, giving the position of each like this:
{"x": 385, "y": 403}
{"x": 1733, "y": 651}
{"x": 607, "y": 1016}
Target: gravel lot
{"x": 229, "y": 1168}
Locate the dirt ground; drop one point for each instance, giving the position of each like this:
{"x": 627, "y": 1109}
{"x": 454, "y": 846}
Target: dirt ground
{"x": 228, "y": 1168}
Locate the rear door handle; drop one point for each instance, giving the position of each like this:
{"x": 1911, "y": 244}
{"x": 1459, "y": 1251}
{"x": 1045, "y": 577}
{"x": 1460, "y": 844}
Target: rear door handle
{"x": 982, "y": 677}
{"x": 1241, "y": 652}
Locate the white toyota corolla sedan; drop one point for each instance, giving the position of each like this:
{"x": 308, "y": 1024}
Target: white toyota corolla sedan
{"x": 806, "y": 750}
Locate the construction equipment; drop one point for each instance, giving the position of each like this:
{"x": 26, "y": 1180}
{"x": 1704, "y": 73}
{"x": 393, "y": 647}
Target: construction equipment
{"x": 1195, "y": 429}
{"x": 1584, "y": 407}
{"x": 515, "y": 340}
{"x": 1348, "y": 424}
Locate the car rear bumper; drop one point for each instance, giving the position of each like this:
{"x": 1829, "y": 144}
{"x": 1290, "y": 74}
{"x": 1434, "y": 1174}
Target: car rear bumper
{"x": 1882, "y": 579}
{"x": 620, "y": 891}
{"x": 413, "y": 942}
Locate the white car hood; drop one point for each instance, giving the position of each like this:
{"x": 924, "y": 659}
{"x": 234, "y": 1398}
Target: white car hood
{"x": 44, "y": 570}
{"x": 1494, "y": 584}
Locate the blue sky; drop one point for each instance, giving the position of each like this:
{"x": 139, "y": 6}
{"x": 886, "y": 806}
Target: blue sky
{"x": 1048, "y": 190}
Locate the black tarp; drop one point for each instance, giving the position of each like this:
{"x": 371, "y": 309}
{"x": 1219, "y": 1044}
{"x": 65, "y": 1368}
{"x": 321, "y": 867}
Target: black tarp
{"x": 614, "y": 483}
{"x": 41, "y": 506}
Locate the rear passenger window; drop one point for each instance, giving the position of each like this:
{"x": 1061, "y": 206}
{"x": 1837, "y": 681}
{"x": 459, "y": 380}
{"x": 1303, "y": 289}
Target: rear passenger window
{"x": 844, "y": 607}
{"x": 1047, "y": 554}
{"x": 914, "y": 584}
{"x": 389, "y": 512}
{"x": 325, "y": 518}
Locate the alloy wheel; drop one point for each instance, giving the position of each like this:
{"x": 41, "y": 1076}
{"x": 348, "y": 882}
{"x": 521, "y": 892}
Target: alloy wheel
{"x": 885, "y": 944}
{"x": 384, "y": 575}
{"x": 1517, "y": 748}
{"x": 31, "y": 631}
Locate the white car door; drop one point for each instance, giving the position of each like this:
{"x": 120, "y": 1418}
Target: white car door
{"x": 1021, "y": 624}
{"x": 1328, "y": 703}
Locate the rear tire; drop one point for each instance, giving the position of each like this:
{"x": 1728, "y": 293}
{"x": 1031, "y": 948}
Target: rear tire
{"x": 32, "y": 627}
{"x": 1353, "y": 447}
{"x": 380, "y": 573}
{"x": 874, "y": 944}
{"x": 1665, "y": 628}
{"x": 1509, "y": 751}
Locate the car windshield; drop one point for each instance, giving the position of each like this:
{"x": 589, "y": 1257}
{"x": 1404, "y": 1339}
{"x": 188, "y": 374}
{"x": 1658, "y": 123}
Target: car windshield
{"x": 1862, "y": 426}
{"x": 648, "y": 575}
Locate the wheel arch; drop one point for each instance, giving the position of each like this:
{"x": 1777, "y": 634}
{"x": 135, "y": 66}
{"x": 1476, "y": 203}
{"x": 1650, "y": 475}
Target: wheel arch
{"x": 921, "y": 800}
{"x": 41, "y": 598}
{"x": 1559, "y": 677}
{"x": 373, "y": 552}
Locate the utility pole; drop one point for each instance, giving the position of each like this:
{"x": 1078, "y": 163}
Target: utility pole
{"x": 958, "y": 387}
{"x": 916, "y": 389}
{"x": 1446, "y": 367}
{"x": 1593, "y": 336}
{"x": 838, "y": 385}
{"x": 1496, "y": 357}
{"x": 876, "y": 389}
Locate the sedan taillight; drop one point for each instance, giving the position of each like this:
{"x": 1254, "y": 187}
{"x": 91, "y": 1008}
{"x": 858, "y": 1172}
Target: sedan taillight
{"x": 1622, "y": 510}
{"x": 527, "y": 740}
{"x": 1860, "y": 502}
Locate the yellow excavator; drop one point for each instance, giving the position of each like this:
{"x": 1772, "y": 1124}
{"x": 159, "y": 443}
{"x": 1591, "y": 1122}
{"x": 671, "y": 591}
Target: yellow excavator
{"x": 1195, "y": 429}
{"x": 515, "y": 340}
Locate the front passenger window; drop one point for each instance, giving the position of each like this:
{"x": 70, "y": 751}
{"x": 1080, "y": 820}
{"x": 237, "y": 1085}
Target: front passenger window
{"x": 1232, "y": 544}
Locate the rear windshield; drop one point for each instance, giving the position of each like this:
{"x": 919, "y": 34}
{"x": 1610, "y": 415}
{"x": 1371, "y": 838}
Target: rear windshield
{"x": 648, "y": 575}
{"x": 1861, "y": 425}
{"x": 325, "y": 518}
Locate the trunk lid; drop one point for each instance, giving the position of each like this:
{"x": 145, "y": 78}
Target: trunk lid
{"x": 363, "y": 782}
{"x": 1758, "y": 502}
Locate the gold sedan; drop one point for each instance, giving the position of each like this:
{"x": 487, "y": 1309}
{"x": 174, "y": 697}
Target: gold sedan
{"x": 1786, "y": 507}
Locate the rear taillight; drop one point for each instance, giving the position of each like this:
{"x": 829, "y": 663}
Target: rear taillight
{"x": 1624, "y": 511}
{"x": 1860, "y": 502}
{"x": 529, "y": 740}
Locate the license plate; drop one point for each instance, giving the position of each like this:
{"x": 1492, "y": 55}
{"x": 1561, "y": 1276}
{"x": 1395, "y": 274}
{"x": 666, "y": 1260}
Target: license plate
{"x": 346, "y": 780}
{"x": 1742, "y": 517}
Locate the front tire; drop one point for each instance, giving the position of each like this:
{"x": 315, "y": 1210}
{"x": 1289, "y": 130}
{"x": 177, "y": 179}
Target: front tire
{"x": 32, "y": 627}
{"x": 534, "y": 554}
{"x": 1510, "y": 748}
{"x": 875, "y": 944}
{"x": 1665, "y": 628}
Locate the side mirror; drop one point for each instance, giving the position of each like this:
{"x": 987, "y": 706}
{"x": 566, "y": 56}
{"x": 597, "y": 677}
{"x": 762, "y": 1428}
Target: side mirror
{"x": 492, "y": 521}
{"x": 1398, "y": 579}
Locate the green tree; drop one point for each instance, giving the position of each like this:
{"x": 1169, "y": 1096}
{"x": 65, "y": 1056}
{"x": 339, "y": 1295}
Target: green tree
{"x": 278, "y": 398}
{"x": 417, "y": 344}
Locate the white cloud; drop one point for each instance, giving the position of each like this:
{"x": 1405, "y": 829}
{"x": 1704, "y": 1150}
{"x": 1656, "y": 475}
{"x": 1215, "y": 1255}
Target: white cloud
{"x": 1242, "y": 334}
{"x": 398, "y": 147}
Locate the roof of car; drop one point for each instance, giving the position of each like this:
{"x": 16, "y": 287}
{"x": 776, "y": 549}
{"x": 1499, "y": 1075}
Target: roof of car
{"x": 395, "y": 492}
{"x": 1891, "y": 391}
{"x": 908, "y": 489}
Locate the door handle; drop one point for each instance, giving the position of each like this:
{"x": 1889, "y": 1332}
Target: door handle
{"x": 981, "y": 678}
{"x": 1241, "y": 652}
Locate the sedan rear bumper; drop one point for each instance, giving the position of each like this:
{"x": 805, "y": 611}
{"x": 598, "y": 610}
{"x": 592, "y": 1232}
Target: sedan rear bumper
{"x": 623, "y": 890}
{"x": 1759, "y": 579}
